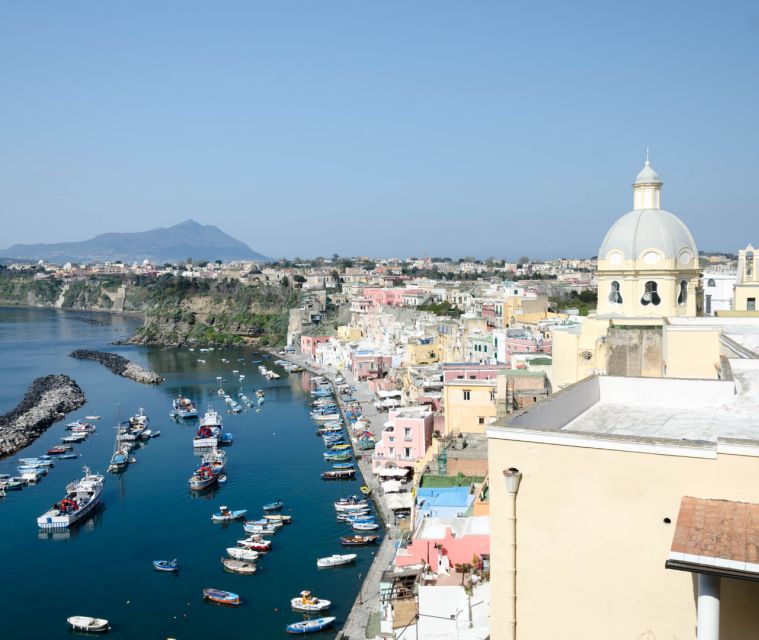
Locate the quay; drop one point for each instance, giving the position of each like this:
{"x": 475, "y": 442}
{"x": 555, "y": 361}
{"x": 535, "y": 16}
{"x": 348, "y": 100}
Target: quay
{"x": 359, "y": 619}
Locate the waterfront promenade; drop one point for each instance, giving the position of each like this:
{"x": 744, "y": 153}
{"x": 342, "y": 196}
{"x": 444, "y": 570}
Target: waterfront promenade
{"x": 367, "y": 601}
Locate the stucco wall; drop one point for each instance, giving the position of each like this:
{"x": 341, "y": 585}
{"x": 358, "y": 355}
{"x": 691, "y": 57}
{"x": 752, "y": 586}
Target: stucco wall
{"x": 592, "y": 542}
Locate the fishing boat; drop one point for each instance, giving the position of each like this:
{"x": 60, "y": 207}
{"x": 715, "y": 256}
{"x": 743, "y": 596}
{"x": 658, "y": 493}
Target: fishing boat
{"x": 57, "y": 450}
{"x": 310, "y": 626}
{"x": 345, "y": 516}
{"x": 336, "y": 560}
{"x": 365, "y": 526}
{"x": 166, "y": 565}
{"x": 278, "y": 517}
{"x": 74, "y": 438}
{"x": 256, "y": 543}
{"x": 322, "y": 417}
{"x": 358, "y": 540}
{"x": 239, "y": 566}
{"x": 342, "y": 465}
{"x": 138, "y": 423}
{"x": 337, "y": 456}
{"x": 13, "y": 484}
{"x": 210, "y": 430}
{"x": 184, "y": 408}
{"x": 263, "y": 522}
{"x": 82, "y": 497}
{"x": 227, "y": 515}
{"x": 68, "y": 456}
{"x": 309, "y": 603}
{"x": 92, "y": 417}
{"x": 88, "y": 624}
{"x": 242, "y": 554}
{"x": 209, "y": 471}
{"x": 221, "y": 597}
{"x": 262, "y": 530}
{"x": 347, "y": 507}
{"x": 338, "y": 474}
{"x": 274, "y": 506}
{"x": 119, "y": 458}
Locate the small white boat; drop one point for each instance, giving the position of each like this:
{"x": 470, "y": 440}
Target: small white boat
{"x": 92, "y": 417}
{"x": 307, "y": 602}
{"x": 225, "y": 514}
{"x": 88, "y": 624}
{"x": 336, "y": 560}
{"x": 243, "y": 554}
{"x": 239, "y": 566}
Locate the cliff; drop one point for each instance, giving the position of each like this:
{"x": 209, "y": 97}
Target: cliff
{"x": 45, "y": 402}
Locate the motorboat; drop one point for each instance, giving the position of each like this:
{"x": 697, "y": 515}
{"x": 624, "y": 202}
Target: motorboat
{"x": 309, "y": 603}
{"x": 226, "y": 438}
{"x": 209, "y": 433}
{"x": 221, "y": 597}
{"x": 345, "y": 516}
{"x": 138, "y": 423}
{"x": 256, "y": 543}
{"x": 88, "y": 624}
{"x": 210, "y": 470}
{"x": 336, "y": 560}
{"x": 342, "y": 465}
{"x": 238, "y": 553}
{"x": 74, "y": 438}
{"x": 338, "y": 474}
{"x": 262, "y": 530}
{"x": 337, "y": 456}
{"x": 278, "y": 517}
{"x": 226, "y": 515}
{"x": 358, "y": 540}
{"x": 365, "y": 526}
{"x": 310, "y": 626}
{"x": 82, "y": 497}
{"x": 351, "y": 507}
{"x": 239, "y": 566}
{"x": 166, "y": 565}
{"x": 184, "y": 408}
{"x": 274, "y": 506}
{"x": 92, "y": 417}
{"x": 68, "y": 456}
{"x": 57, "y": 450}
{"x": 323, "y": 417}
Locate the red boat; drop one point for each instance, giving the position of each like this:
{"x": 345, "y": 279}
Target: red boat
{"x": 255, "y": 545}
{"x": 54, "y": 451}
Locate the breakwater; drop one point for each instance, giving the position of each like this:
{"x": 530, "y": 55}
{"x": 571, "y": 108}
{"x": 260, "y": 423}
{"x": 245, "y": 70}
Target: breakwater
{"x": 119, "y": 365}
{"x": 47, "y": 400}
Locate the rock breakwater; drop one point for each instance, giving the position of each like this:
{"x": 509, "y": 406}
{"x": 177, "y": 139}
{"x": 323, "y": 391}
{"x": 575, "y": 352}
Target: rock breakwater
{"x": 119, "y": 365}
{"x": 47, "y": 400}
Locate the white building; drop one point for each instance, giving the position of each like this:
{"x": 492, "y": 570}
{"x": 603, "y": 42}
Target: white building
{"x": 718, "y": 289}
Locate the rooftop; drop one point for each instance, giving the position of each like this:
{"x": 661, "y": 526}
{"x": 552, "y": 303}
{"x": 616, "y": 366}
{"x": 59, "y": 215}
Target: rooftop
{"x": 435, "y": 528}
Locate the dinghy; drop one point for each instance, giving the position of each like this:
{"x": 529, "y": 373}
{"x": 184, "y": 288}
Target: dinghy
{"x": 166, "y": 565}
{"x": 336, "y": 560}
{"x": 274, "y": 506}
{"x": 88, "y": 624}
{"x": 242, "y": 554}
{"x": 221, "y": 597}
{"x": 365, "y": 526}
{"x": 310, "y": 626}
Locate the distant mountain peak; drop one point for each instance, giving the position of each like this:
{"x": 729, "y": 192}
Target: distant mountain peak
{"x": 173, "y": 244}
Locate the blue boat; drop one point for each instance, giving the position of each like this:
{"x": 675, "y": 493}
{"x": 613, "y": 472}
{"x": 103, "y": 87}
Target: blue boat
{"x": 310, "y": 626}
{"x": 274, "y": 506}
{"x": 342, "y": 465}
{"x": 226, "y": 438}
{"x": 166, "y": 565}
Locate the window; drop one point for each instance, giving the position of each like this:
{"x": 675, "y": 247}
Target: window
{"x": 749, "y": 263}
{"x": 710, "y": 283}
{"x": 407, "y": 433}
{"x": 683, "y": 297}
{"x": 492, "y": 396}
{"x": 467, "y": 395}
{"x": 751, "y": 304}
{"x": 481, "y": 420}
{"x": 651, "y": 294}
{"x": 615, "y": 297}
{"x": 391, "y": 450}
{"x": 407, "y": 452}
{"x": 459, "y": 377}
{"x": 391, "y": 438}
{"x": 473, "y": 377}
{"x": 708, "y": 303}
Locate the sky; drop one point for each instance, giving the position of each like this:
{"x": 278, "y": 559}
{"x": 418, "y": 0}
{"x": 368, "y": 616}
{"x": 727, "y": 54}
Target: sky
{"x": 392, "y": 128}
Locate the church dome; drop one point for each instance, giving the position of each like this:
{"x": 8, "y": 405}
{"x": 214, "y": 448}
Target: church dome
{"x": 647, "y": 175}
{"x": 649, "y": 230}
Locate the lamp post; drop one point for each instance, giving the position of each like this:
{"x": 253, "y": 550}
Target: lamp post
{"x": 512, "y": 478}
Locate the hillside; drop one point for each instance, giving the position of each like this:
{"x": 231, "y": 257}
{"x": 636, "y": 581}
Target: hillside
{"x": 172, "y": 244}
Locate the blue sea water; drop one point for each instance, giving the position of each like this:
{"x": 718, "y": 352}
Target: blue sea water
{"x": 103, "y": 567}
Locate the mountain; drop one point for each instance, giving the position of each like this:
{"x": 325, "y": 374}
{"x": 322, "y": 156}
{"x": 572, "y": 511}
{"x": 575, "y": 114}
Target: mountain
{"x": 172, "y": 244}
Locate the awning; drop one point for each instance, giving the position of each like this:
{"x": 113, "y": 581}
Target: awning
{"x": 391, "y": 486}
{"x": 393, "y": 393}
{"x": 398, "y": 501}
{"x": 716, "y": 537}
{"x": 393, "y": 472}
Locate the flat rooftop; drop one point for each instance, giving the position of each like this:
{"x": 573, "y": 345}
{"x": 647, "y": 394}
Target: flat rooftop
{"x": 670, "y": 409}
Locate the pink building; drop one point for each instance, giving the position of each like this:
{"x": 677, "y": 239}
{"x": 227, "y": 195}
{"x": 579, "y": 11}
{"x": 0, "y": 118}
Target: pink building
{"x": 443, "y": 543}
{"x": 391, "y": 296}
{"x": 405, "y": 438}
{"x": 368, "y": 365}
{"x": 526, "y": 345}
{"x": 308, "y": 344}
{"x": 469, "y": 371}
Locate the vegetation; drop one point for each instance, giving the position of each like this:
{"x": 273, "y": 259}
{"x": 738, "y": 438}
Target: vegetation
{"x": 584, "y": 301}
{"x": 433, "y": 481}
{"x": 441, "y": 309}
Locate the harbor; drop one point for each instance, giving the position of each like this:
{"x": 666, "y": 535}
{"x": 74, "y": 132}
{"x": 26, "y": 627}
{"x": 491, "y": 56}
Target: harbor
{"x": 148, "y": 511}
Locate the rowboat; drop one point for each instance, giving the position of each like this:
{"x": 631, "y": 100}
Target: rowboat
{"x": 336, "y": 560}
{"x": 309, "y": 603}
{"x": 166, "y": 565}
{"x": 364, "y": 489}
{"x": 365, "y": 526}
{"x": 242, "y": 554}
{"x": 225, "y": 515}
{"x": 310, "y": 626}
{"x": 239, "y": 566}
{"x": 358, "y": 540}
{"x": 342, "y": 465}
{"x": 88, "y": 624}
{"x": 274, "y": 506}
{"x": 221, "y": 597}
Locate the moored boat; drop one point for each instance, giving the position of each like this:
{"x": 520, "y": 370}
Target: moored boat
{"x": 310, "y": 626}
{"x": 274, "y": 506}
{"x": 309, "y": 603}
{"x": 358, "y": 540}
{"x": 88, "y": 624}
{"x": 239, "y": 566}
{"x": 209, "y": 471}
{"x": 81, "y": 499}
{"x": 365, "y": 526}
{"x": 184, "y": 408}
{"x": 225, "y": 514}
{"x": 256, "y": 543}
{"x": 338, "y": 474}
{"x": 166, "y": 565}
{"x": 238, "y": 553}
{"x": 336, "y": 560}
{"x": 278, "y": 517}
{"x": 221, "y": 597}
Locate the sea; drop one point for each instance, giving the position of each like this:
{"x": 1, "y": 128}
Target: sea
{"x": 103, "y": 567}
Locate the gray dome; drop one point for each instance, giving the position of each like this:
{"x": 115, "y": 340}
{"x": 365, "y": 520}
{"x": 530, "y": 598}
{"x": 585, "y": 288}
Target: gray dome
{"x": 647, "y": 175}
{"x": 644, "y": 229}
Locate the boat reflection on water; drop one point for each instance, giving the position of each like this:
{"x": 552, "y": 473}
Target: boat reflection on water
{"x": 209, "y": 493}
{"x": 87, "y": 526}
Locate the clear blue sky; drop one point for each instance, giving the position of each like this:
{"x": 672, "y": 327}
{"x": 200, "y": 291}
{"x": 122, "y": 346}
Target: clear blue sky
{"x": 380, "y": 128}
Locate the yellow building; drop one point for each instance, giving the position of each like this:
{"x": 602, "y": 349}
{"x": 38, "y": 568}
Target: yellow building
{"x": 648, "y": 280}
{"x": 469, "y": 405}
{"x": 747, "y": 285}
{"x": 521, "y": 310}
{"x": 629, "y": 508}
{"x": 422, "y": 353}
{"x": 347, "y": 333}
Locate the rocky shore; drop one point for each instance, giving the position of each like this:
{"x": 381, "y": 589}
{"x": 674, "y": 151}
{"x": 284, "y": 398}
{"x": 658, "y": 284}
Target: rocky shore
{"x": 119, "y": 365}
{"x": 47, "y": 400}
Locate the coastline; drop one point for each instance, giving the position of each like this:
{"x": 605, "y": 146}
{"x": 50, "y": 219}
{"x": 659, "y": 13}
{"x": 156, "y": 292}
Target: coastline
{"x": 139, "y": 315}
